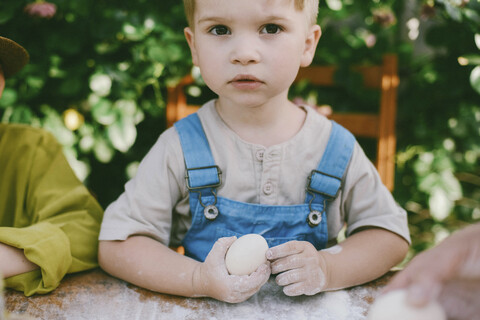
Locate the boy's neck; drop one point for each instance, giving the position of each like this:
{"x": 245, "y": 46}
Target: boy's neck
{"x": 267, "y": 125}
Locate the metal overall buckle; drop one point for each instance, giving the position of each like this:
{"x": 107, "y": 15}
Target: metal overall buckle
{"x": 211, "y": 211}
{"x": 315, "y": 217}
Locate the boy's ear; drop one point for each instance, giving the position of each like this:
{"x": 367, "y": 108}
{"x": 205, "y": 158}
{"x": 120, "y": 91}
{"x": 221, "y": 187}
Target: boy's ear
{"x": 191, "y": 43}
{"x": 310, "y": 45}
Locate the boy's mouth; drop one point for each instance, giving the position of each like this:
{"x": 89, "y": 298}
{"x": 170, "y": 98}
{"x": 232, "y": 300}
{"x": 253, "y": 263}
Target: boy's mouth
{"x": 246, "y": 82}
{"x": 245, "y": 78}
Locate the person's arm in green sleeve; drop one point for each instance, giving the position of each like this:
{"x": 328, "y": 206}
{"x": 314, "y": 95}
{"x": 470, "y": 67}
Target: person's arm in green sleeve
{"x": 61, "y": 235}
{"x": 13, "y": 261}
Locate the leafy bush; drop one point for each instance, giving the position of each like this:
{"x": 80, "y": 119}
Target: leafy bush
{"x": 99, "y": 72}
{"x": 97, "y": 80}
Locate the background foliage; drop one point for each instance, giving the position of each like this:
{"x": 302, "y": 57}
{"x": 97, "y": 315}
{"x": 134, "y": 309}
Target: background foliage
{"x": 99, "y": 71}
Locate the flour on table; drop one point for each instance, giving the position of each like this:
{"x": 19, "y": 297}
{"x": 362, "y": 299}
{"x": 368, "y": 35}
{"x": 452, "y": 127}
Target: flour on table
{"x": 131, "y": 303}
{"x": 2, "y": 304}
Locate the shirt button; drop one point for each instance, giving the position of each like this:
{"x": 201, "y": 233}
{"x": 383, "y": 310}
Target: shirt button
{"x": 259, "y": 154}
{"x": 271, "y": 155}
{"x": 268, "y": 188}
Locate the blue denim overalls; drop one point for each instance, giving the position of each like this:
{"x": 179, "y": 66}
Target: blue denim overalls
{"x": 214, "y": 217}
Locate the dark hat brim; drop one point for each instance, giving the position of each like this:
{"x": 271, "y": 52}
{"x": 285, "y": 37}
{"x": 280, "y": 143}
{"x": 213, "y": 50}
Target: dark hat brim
{"x": 13, "y": 57}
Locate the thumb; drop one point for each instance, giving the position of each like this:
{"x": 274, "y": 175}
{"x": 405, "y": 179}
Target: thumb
{"x": 220, "y": 248}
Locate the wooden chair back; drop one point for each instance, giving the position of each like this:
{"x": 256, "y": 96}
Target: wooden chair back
{"x": 379, "y": 125}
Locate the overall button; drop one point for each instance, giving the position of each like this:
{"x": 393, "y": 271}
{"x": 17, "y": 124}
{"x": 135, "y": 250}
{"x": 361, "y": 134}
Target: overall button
{"x": 314, "y": 218}
{"x": 211, "y": 212}
{"x": 268, "y": 188}
{"x": 259, "y": 154}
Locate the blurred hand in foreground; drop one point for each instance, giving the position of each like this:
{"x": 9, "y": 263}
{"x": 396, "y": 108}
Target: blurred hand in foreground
{"x": 450, "y": 272}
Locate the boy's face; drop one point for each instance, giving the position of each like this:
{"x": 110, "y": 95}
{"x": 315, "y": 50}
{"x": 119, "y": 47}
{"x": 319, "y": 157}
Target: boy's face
{"x": 250, "y": 49}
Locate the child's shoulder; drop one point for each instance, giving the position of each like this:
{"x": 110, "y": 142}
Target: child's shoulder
{"x": 26, "y": 132}
{"x": 21, "y": 138}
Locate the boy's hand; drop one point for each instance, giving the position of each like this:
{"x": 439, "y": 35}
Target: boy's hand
{"x": 301, "y": 268}
{"x": 211, "y": 277}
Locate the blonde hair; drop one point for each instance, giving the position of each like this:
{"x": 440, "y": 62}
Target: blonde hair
{"x": 310, "y": 6}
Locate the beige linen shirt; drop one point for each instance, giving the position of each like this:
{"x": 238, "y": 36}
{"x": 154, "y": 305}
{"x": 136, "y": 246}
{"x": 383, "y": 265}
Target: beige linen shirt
{"x": 155, "y": 202}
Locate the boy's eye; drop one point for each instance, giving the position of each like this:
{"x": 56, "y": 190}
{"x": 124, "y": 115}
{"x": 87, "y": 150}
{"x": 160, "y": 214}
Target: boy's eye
{"x": 219, "y": 30}
{"x": 271, "y": 29}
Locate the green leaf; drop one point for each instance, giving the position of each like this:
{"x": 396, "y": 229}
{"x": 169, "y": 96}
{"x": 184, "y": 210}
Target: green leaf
{"x": 101, "y": 84}
{"x": 131, "y": 169}
{"x": 451, "y": 185}
{"x": 132, "y": 32}
{"x": 81, "y": 168}
{"x": 475, "y": 79}
{"x": 424, "y": 164}
{"x": 470, "y": 59}
{"x": 127, "y": 108}
{"x": 7, "y": 12}
{"x": 71, "y": 87}
{"x": 53, "y": 122}
{"x": 454, "y": 12}
{"x": 87, "y": 143}
{"x": 9, "y": 98}
{"x": 428, "y": 183}
{"x": 103, "y": 112}
{"x": 122, "y": 133}
{"x": 439, "y": 203}
{"x": 156, "y": 53}
{"x": 35, "y": 82}
{"x": 106, "y": 47}
{"x": 335, "y": 5}
{"x": 21, "y": 114}
{"x": 472, "y": 15}
{"x": 102, "y": 150}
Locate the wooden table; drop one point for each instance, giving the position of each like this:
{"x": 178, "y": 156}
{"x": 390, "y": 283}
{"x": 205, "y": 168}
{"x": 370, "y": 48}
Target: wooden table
{"x": 96, "y": 295}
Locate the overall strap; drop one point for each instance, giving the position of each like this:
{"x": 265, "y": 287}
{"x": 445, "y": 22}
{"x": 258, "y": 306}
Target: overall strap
{"x": 201, "y": 172}
{"x": 326, "y": 180}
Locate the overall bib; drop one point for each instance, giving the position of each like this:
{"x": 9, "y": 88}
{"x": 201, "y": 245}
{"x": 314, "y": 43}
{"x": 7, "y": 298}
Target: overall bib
{"x": 214, "y": 217}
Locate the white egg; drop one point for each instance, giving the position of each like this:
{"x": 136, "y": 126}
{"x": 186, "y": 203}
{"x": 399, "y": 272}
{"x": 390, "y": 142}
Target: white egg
{"x": 246, "y": 254}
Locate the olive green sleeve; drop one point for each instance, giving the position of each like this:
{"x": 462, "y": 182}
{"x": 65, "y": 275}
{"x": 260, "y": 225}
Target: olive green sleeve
{"x": 45, "y": 245}
{"x": 56, "y": 220}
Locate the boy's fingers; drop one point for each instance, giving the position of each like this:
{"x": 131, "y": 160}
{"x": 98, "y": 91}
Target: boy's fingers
{"x": 252, "y": 283}
{"x": 260, "y": 277}
{"x": 289, "y": 277}
{"x": 221, "y": 246}
{"x": 295, "y": 289}
{"x": 284, "y": 250}
{"x": 288, "y": 263}
{"x": 216, "y": 256}
{"x": 227, "y": 241}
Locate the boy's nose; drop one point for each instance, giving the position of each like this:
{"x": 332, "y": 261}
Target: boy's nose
{"x": 245, "y": 51}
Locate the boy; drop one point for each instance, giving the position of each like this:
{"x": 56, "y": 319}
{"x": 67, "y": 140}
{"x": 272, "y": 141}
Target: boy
{"x": 249, "y": 155}
{"x": 49, "y": 222}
